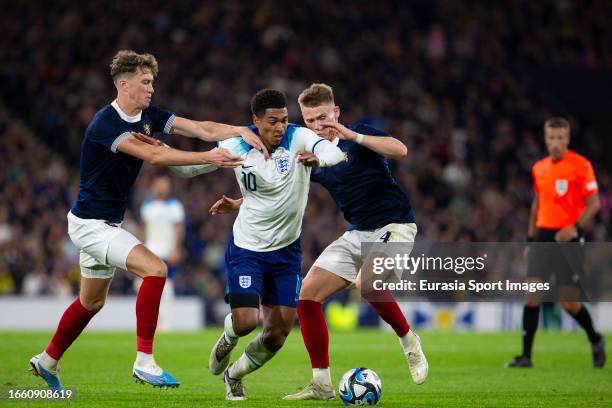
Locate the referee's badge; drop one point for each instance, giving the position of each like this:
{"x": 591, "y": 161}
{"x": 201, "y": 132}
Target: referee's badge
{"x": 561, "y": 186}
{"x": 282, "y": 164}
{"x": 244, "y": 281}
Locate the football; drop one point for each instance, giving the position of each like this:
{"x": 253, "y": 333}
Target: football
{"x": 360, "y": 386}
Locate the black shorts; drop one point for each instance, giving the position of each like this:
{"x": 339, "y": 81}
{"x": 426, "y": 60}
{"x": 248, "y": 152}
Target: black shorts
{"x": 547, "y": 258}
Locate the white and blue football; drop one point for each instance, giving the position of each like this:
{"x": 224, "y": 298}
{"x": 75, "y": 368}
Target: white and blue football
{"x": 360, "y": 386}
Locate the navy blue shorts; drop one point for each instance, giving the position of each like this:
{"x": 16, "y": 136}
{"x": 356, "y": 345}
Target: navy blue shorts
{"x": 274, "y": 277}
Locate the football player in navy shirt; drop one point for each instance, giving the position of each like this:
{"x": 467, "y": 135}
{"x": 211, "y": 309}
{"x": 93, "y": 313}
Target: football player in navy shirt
{"x": 376, "y": 209}
{"x": 111, "y": 157}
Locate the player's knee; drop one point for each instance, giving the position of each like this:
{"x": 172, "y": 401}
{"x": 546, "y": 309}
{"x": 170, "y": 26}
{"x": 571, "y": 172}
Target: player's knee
{"x": 159, "y": 269}
{"x": 310, "y": 292}
{"x": 571, "y": 307}
{"x": 274, "y": 338}
{"x": 244, "y": 325}
{"x": 93, "y": 305}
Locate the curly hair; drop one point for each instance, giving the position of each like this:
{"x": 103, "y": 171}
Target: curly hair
{"x": 267, "y": 98}
{"x": 129, "y": 62}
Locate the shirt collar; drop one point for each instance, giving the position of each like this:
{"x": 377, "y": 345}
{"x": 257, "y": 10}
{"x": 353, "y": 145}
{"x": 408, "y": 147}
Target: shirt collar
{"x": 125, "y": 116}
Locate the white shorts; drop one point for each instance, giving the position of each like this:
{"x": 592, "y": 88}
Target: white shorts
{"x": 343, "y": 257}
{"x": 104, "y": 246}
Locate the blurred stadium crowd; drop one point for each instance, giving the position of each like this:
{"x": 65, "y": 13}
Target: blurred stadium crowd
{"x": 455, "y": 82}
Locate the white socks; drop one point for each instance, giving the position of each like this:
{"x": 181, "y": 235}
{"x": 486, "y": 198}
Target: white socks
{"x": 255, "y": 355}
{"x": 408, "y": 341}
{"x": 228, "y": 330}
{"x": 48, "y": 362}
{"x": 146, "y": 362}
{"x": 321, "y": 376}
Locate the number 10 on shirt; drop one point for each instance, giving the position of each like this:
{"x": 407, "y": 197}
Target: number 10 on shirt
{"x": 249, "y": 181}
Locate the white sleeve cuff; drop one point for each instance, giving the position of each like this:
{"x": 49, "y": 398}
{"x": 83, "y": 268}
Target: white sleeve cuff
{"x": 118, "y": 140}
{"x": 169, "y": 124}
{"x": 328, "y": 154}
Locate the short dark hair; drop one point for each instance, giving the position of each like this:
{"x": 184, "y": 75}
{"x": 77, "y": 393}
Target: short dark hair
{"x": 556, "y": 123}
{"x": 129, "y": 62}
{"x": 267, "y": 98}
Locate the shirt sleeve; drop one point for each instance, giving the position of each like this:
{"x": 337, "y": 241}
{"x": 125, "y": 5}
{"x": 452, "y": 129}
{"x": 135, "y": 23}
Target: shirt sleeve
{"x": 162, "y": 119}
{"x": 236, "y": 145}
{"x": 368, "y": 130}
{"x": 589, "y": 183}
{"x": 305, "y": 140}
{"x": 104, "y": 133}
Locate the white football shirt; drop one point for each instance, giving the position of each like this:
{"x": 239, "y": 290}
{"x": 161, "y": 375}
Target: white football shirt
{"x": 160, "y": 217}
{"x": 275, "y": 191}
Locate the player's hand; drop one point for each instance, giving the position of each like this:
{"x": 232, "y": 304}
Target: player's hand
{"x": 221, "y": 157}
{"x": 147, "y": 139}
{"x": 254, "y": 140}
{"x": 337, "y": 129}
{"x": 308, "y": 159}
{"x": 566, "y": 234}
{"x": 225, "y": 205}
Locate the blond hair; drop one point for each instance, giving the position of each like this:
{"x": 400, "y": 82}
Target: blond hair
{"x": 130, "y": 62}
{"x": 316, "y": 95}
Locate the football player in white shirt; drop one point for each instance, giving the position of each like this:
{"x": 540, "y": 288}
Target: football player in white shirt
{"x": 263, "y": 256}
{"x": 164, "y": 221}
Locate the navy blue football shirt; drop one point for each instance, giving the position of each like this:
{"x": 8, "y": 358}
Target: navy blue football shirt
{"x": 363, "y": 187}
{"x": 107, "y": 175}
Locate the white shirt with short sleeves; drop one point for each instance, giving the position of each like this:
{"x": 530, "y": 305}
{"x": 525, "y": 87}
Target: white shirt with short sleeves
{"x": 161, "y": 217}
{"x": 275, "y": 191}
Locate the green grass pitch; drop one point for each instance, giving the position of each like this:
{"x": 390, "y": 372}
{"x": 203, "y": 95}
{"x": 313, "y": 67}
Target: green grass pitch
{"x": 466, "y": 370}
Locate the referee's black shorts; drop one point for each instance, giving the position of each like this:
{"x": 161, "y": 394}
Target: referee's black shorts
{"x": 547, "y": 258}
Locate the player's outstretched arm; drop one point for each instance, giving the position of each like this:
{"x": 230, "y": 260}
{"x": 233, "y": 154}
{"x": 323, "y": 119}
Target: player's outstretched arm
{"x": 162, "y": 155}
{"x": 181, "y": 171}
{"x": 192, "y": 171}
{"x": 225, "y": 205}
{"x": 387, "y": 146}
{"x": 214, "y": 132}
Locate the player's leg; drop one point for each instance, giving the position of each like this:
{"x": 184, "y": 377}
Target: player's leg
{"x": 243, "y": 295}
{"x": 581, "y": 314}
{"x": 91, "y": 299}
{"x": 277, "y": 323}
{"x": 387, "y": 308}
{"x": 569, "y": 294}
{"x": 240, "y": 322}
{"x": 146, "y": 265}
{"x": 542, "y": 259}
{"x": 279, "y": 288}
{"x": 319, "y": 284}
{"x": 531, "y": 316}
{"x": 333, "y": 271}
{"x": 389, "y": 241}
